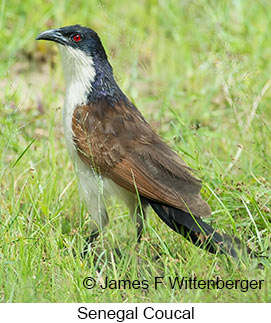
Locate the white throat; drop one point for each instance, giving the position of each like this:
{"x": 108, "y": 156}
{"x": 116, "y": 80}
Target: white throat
{"x": 79, "y": 73}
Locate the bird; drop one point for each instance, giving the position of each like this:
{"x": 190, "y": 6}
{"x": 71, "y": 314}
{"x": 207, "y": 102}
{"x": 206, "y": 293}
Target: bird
{"x": 115, "y": 151}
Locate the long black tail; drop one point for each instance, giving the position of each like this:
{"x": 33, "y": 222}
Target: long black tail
{"x": 200, "y": 233}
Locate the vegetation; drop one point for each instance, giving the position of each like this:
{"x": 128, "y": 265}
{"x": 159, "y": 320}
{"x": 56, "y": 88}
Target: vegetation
{"x": 200, "y": 73}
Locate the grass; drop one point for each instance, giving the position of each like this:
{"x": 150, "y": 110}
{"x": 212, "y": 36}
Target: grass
{"x": 199, "y": 71}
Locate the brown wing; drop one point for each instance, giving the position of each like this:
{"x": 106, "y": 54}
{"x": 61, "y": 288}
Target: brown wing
{"x": 116, "y": 140}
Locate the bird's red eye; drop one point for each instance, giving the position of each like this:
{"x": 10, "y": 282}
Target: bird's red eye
{"x": 77, "y": 38}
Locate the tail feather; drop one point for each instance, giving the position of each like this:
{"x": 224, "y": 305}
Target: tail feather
{"x": 198, "y": 232}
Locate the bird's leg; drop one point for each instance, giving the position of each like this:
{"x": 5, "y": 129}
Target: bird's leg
{"x": 88, "y": 242}
{"x": 91, "y": 189}
{"x": 100, "y": 219}
{"x": 139, "y": 214}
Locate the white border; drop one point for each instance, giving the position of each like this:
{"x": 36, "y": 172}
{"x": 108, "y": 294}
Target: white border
{"x": 68, "y": 312}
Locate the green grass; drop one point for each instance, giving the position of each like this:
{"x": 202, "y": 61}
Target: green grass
{"x": 197, "y": 70}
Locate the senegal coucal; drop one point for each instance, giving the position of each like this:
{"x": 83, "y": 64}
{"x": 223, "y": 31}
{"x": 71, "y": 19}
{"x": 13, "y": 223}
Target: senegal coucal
{"x": 116, "y": 152}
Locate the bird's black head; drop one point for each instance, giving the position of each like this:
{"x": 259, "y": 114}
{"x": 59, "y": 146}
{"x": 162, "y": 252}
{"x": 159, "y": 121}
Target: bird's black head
{"x": 85, "y": 63}
{"x": 77, "y": 37}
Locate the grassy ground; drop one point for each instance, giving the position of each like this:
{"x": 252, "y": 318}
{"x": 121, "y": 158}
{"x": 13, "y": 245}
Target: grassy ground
{"x": 200, "y": 73}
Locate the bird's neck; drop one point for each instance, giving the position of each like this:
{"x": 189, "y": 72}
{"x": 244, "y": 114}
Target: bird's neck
{"x": 104, "y": 84}
{"x": 79, "y": 73}
{"x": 87, "y": 78}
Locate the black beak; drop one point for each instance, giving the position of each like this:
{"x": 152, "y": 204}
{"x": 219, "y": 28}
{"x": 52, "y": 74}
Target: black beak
{"x": 53, "y": 35}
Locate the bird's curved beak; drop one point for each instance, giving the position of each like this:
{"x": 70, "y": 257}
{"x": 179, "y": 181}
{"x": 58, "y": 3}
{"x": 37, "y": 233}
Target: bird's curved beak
{"x": 52, "y": 35}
